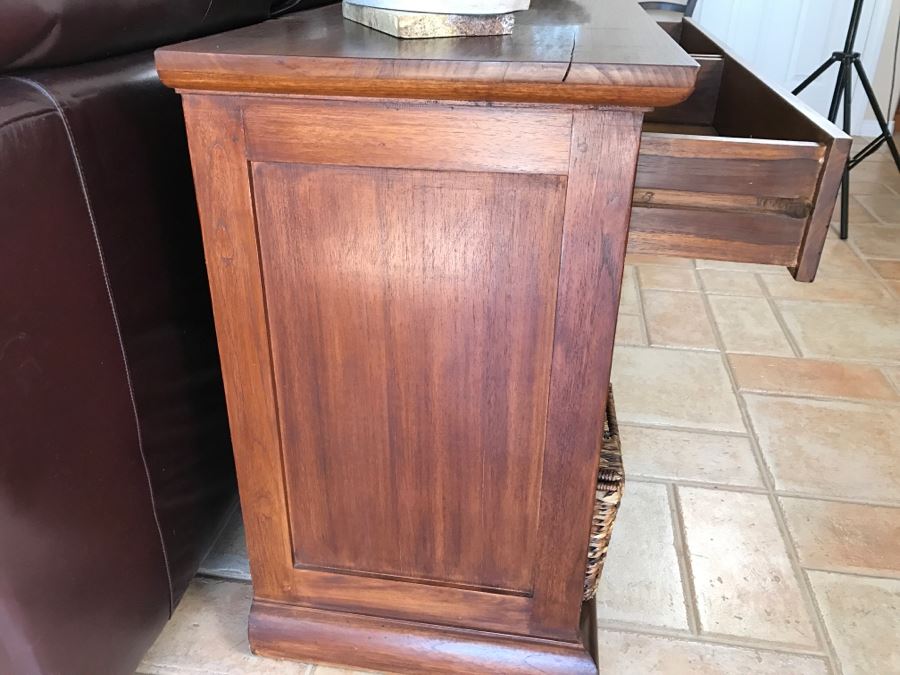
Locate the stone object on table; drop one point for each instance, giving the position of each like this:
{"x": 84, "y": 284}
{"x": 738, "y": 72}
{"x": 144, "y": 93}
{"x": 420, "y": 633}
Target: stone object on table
{"x": 477, "y": 7}
{"x": 407, "y": 25}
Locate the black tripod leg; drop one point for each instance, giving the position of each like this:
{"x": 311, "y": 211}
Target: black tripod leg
{"x": 873, "y": 101}
{"x": 845, "y": 187}
{"x": 809, "y": 80}
{"x": 839, "y": 90}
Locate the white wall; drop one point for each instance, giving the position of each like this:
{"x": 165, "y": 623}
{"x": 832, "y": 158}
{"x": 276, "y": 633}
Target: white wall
{"x": 881, "y": 77}
{"x": 785, "y": 40}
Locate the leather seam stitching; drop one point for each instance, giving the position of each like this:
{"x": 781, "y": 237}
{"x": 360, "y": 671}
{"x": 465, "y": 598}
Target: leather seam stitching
{"x": 79, "y": 169}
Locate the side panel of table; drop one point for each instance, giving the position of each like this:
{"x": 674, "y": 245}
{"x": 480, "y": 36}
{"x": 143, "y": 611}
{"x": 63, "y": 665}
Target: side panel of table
{"x": 416, "y": 306}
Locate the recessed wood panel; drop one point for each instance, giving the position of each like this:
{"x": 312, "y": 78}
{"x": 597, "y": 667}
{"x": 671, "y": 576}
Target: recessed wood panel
{"x": 411, "y": 317}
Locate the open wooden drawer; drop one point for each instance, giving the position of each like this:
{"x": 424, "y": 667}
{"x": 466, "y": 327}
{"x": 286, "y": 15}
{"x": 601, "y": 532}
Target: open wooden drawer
{"x": 740, "y": 171}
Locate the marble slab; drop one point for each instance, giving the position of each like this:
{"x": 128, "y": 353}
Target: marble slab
{"x": 425, "y": 25}
{"x": 478, "y": 7}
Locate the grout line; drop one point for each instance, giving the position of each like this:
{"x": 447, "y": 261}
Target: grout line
{"x": 691, "y": 430}
{"x": 834, "y": 661}
{"x": 862, "y": 574}
{"x": 679, "y": 535}
{"x": 639, "y": 299}
{"x": 750, "y": 489}
{"x": 716, "y": 639}
{"x": 811, "y": 357}
{"x": 642, "y": 304}
{"x": 789, "y": 494}
{"x": 792, "y": 341}
{"x": 883, "y": 402}
{"x": 891, "y": 381}
{"x": 806, "y": 591}
{"x": 878, "y": 278}
{"x": 721, "y": 487}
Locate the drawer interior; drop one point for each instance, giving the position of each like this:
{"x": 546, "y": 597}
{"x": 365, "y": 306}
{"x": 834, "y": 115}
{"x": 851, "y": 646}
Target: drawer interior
{"x": 739, "y": 171}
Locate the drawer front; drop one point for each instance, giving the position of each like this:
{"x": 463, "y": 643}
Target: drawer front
{"x": 740, "y": 171}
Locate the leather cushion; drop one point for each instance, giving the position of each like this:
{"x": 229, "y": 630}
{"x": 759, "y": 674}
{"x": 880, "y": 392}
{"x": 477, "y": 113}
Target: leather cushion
{"x": 83, "y": 586}
{"x": 39, "y": 33}
{"x": 117, "y": 467}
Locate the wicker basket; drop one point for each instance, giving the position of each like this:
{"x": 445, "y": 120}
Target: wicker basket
{"x": 610, "y": 484}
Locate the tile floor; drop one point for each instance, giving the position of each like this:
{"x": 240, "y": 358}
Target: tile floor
{"x": 760, "y": 532}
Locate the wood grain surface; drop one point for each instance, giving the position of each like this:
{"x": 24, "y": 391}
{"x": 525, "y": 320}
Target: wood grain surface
{"x": 756, "y": 182}
{"x": 352, "y": 133}
{"x": 330, "y": 637}
{"x": 595, "y": 231}
{"x": 219, "y": 162}
{"x": 411, "y": 329}
{"x": 416, "y": 252}
{"x": 578, "y": 51}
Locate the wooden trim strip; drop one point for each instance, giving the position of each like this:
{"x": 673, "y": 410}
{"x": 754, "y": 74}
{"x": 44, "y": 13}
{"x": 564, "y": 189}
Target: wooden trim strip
{"x": 406, "y": 601}
{"x": 678, "y": 199}
{"x": 440, "y": 137}
{"x": 595, "y": 231}
{"x": 741, "y": 237}
{"x": 718, "y": 147}
{"x": 825, "y": 200}
{"x": 397, "y": 646}
{"x": 216, "y": 142}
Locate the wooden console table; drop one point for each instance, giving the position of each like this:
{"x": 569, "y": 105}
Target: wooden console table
{"x": 415, "y": 251}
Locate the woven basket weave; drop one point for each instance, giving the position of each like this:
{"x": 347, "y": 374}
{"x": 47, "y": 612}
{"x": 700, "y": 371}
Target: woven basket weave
{"x": 610, "y": 484}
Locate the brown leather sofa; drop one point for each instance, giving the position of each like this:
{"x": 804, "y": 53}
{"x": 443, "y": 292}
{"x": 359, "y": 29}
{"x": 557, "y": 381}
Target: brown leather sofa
{"x": 115, "y": 463}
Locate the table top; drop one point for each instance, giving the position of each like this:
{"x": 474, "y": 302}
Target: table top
{"x": 596, "y": 52}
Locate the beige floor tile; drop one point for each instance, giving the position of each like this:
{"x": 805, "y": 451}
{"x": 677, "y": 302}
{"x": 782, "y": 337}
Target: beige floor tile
{"x": 726, "y": 282}
{"x": 805, "y": 377}
{"x": 862, "y": 616}
{"x": 687, "y": 455}
{"x": 840, "y": 261}
{"x": 830, "y": 289}
{"x": 633, "y": 654}
{"x": 845, "y": 537}
{"x": 893, "y": 375}
{"x": 829, "y": 448}
{"x": 747, "y": 325}
{"x": 743, "y": 579}
{"x": 868, "y": 187}
{"x": 859, "y": 215}
{"x": 878, "y": 172}
{"x": 629, "y": 304}
{"x": 667, "y": 387}
{"x": 846, "y": 332}
{"x": 876, "y": 241}
{"x": 668, "y": 261}
{"x": 887, "y": 269}
{"x": 885, "y": 208}
{"x": 641, "y": 581}
{"x": 665, "y": 278}
{"x": 678, "y": 320}
{"x": 895, "y": 287}
{"x": 738, "y": 267}
{"x": 208, "y": 634}
{"x": 628, "y": 330}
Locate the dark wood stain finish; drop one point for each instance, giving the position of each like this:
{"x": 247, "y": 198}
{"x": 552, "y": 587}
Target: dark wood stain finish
{"x": 411, "y": 333}
{"x": 760, "y": 143}
{"x": 700, "y": 107}
{"x": 415, "y": 251}
{"x": 578, "y": 51}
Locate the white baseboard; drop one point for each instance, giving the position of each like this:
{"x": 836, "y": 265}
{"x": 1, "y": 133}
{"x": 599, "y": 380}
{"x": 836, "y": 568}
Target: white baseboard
{"x": 870, "y": 128}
